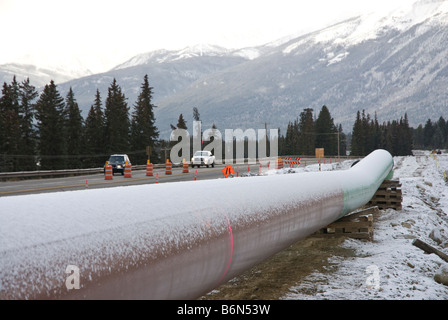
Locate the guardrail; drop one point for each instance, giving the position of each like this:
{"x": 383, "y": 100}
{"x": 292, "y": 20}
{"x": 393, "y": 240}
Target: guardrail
{"x": 5, "y": 176}
{"x": 59, "y": 173}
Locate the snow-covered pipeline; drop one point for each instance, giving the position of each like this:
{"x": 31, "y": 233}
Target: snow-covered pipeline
{"x": 172, "y": 240}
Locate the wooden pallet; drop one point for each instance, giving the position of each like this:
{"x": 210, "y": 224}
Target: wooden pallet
{"x": 388, "y": 196}
{"x": 357, "y": 225}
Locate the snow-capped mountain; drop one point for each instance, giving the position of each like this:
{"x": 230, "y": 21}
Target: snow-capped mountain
{"x": 39, "y": 77}
{"x": 200, "y": 50}
{"x": 389, "y": 63}
{"x": 169, "y": 72}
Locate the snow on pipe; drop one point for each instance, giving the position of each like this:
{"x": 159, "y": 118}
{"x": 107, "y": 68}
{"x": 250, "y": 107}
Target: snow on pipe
{"x": 168, "y": 241}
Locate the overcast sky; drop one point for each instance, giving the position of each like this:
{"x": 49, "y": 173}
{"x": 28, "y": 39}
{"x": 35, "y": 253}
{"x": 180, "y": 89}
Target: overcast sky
{"x": 103, "y": 33}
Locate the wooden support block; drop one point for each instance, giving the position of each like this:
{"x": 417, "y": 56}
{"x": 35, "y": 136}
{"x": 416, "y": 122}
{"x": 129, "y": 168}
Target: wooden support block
{"x": 388, "y": 195}
{"x": 357, "y": 225}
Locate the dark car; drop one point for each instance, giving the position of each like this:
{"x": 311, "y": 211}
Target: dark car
{"x": 117, "y": 161}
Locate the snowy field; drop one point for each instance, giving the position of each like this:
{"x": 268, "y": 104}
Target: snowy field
{"x": 390, "y": 267}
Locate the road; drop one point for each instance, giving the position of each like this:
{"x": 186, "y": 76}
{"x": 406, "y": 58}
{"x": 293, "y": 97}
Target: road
{"x": 93, "y": 181}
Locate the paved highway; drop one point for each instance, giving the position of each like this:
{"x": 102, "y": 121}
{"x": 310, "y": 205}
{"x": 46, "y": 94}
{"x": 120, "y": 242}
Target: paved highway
{"x": 92, "y": 181}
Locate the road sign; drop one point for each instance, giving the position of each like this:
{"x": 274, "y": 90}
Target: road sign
{"x": 228, "y": 170}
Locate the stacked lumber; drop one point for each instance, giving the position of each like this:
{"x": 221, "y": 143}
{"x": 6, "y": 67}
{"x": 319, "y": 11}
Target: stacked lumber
{"x": 388, "y": 195}
{"x": 357, "y": 225}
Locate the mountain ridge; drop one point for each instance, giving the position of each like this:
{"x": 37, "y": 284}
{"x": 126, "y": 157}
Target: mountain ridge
{"x": 389, "y": 64}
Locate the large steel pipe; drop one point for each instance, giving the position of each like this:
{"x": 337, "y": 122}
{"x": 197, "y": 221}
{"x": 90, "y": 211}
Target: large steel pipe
{"x": 172, "y": 240}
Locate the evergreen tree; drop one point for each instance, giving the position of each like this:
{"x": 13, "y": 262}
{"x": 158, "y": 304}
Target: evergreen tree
{"x": 342, "y": 142}
{"x": 418, "y": 137}
{"x": 144, "y": 133}
{"x": 443, "y": 132}
{"x": 406, "y": 141}
{"x": 2, "y": 132}
{"x": 291, "y": 145}
{"x": 368, "y": 135}
{"x": 307, "y": 137}
{"x": 50, "y": 125}
{"x": 326, "y": 132}
{"x": 117, "y": 123}
{"x": 11, "y": 125}
{"x": 181, "y": 123}
{"x": 356, "y": 146}
{"x": 363, "y": 135}
{"x": 428, "y": 133}
{"x": 196, "y": 115}
{"x": 377, "y": 133}
{"x": 73, "y": 131}
{"x": 94, "y": 133}
{"x": 28, "y": 94}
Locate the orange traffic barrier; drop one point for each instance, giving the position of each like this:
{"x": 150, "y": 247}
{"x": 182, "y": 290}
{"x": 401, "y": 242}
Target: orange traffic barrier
{"x": 168, "y": 168}
{"x": 127, "y": 170}
{"x": 292, "y": 161}
{"x": 185, "y": 167}
{"x": 279, "y": 164}
{"x": 149, "y": 169}
{"x": 108, "y": 173}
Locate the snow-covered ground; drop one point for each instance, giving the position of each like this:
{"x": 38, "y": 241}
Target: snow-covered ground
{"x": 391, "y": 267}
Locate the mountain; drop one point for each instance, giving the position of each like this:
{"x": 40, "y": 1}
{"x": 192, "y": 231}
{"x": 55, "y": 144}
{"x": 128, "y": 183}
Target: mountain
{"x": 389, "y": 64}
{"x": 385, "y": 63}
{"x": 39, "y": 77}
{"x": 169, "y": 72}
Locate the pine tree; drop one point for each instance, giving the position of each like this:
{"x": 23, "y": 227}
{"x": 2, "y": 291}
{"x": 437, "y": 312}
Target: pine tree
{"x": 363, "y": 135}
{"x": 117, "y": 123}
{"x": 342, "y": 142}
{"x": 326, "y": 132}
{"x": 144, "y": 133}
{"x": 73, "y": 131}
{"x": 11, "y": 125}
{"x": 50, "y": 125}
{"x": 196, "y": 115}
{"x": 307, "y": 136}
{"x": 406, "y": 137}
{"x": 428, "y": 134}
{"x": 181, "y": 123}
{"x": 292, "y": 139}
{"x": 94, "y": 133}
{"x": 2, "y": 134}
{"x": 28, "y": 94}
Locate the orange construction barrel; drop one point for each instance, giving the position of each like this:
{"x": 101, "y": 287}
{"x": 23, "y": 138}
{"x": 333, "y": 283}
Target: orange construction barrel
{"x": 149, "y": 169}
{"x": 185, "y": 167}
{"x": 168, "y": 168}
{"x": 108, "y": 173}
{"x": 127, "y": 170}
{"x": 279, "y": 164}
